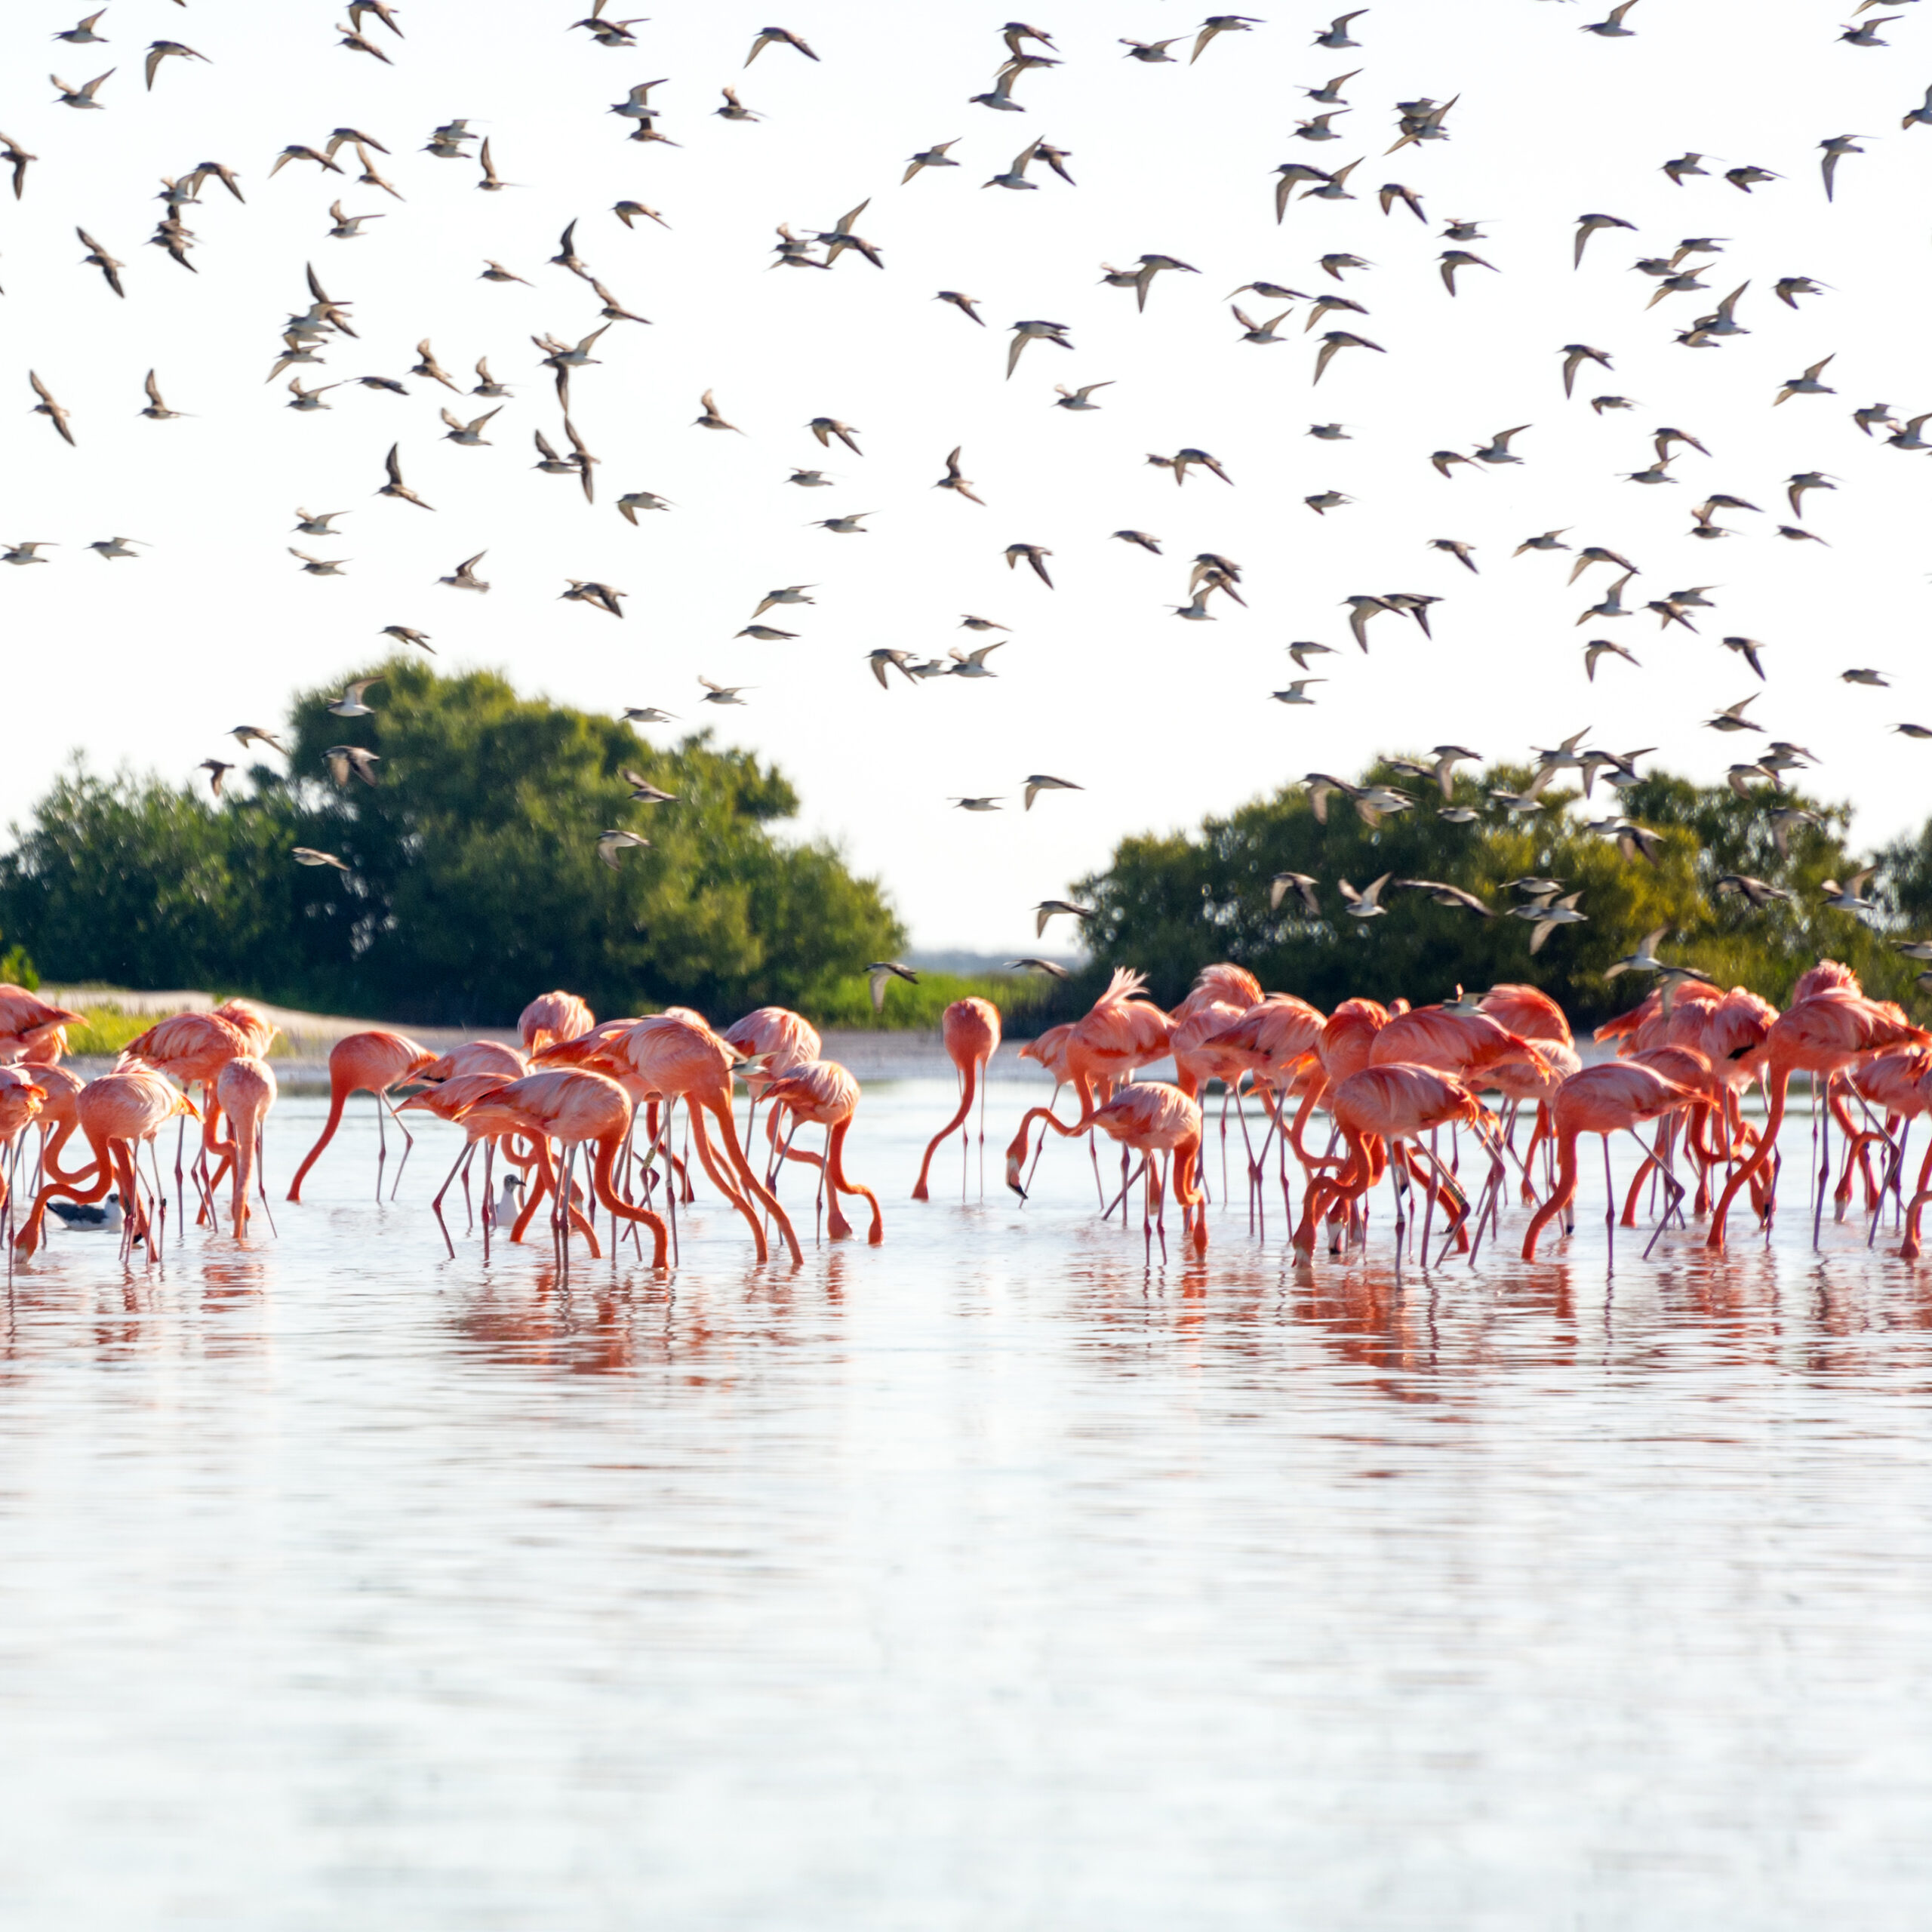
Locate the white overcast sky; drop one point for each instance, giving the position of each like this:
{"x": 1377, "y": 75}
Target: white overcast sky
{"x": 1161, "y": 721}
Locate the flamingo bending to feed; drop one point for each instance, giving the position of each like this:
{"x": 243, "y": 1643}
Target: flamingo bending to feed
{"x": 1273, "y": 1041}
{"x": 1900, "y": 1083}
{"x": 574, "y": 1106}
{"x": 1193, "y": 1041}
{"x": 372, "y": 1063}
{"x": 1450, "y": 1040}
{"x": 1823, "y": 1034}
{"x": 551, "y": 1018}
{"x": 1691, "y": 1067}
{"x": 1151, "y": 1118}
{"x": 191, "y": 1048}
{"x": 61, "y": 1088}
{"x": 971, "y": 1030}
{"x": 1530, "y": 1012}
{"x": 449, "y": 1100}
{"x": 1900, "y": 1098}
{"x": 1604, "y": 1098}
{"x": 1119, "y": 1034}
{"x": 245, "y": 1089}
{"x": 118, "y": 1113}
{"x": 1375, "y": 1112}
{"x": 777, "y": 1039}
{"x": 30, "y": 1029}
{"x": 824, "y": 1094}
{"x": 679, "y": 1056}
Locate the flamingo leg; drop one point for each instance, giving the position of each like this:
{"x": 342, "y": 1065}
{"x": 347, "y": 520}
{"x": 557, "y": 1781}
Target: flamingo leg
{"x": 408, "y": 1138}
{"x": 1822, "y": 1113}
{"x": 1896, "y": 1184}
{"x": 489, "y": 1196}
{"x": 157, "y": 1245}
{"x": 1159, "y": 1181}
{"x": 1121, "y": 1196}
{"x": 460, "y": 1165}
{"x": 983, "y": 1065}
{"x": 1428, "y": 1199}
{"x": 670, "y": 1180}
{"x": 261, "y": 1176}
{"x": 1674, "y": 1188}
{"x": 1610, "y": 1212}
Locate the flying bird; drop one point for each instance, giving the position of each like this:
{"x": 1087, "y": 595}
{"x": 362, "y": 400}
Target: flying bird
{"x": 1039, "y": 782}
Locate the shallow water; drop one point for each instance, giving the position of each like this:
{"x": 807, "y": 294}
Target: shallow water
{"x": 991, "y": 1578}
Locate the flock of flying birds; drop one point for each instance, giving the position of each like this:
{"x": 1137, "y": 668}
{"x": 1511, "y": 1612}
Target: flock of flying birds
{"x": 1681, "y": 274}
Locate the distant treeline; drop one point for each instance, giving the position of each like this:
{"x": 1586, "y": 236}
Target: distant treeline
{"x": 474, "y": 876}
{"x": 1169, "y": 904}
{"x": 474, "y": 881}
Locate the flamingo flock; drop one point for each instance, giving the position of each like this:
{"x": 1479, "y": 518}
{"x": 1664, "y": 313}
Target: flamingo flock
{"x": 577, "y": 1093}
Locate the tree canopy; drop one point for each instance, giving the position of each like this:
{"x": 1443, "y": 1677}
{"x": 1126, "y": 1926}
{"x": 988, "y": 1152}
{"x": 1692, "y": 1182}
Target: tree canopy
{"x": 1169, "y": 904}
{"x": 474, "y": 876}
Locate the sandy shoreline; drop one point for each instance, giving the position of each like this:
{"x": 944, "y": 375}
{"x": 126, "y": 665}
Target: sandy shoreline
{"x": 871, "y": 1055}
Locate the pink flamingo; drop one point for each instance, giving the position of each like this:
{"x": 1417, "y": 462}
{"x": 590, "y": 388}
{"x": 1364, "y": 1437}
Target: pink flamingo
{"x": 824, "y": 1094}
{"x": 1528, "y": 1011}
{"x": 1049, "y": 1050}
{"x": 1604, "y": 1099}
{"x": 1906, "y": 1090}
{"x": 245, "y": 1087}
{"x": 1900, "y": 1083}
{"x": 777, "y": 1040}
{"x": 1221, "y": 984}
{"x": 775, "y": 1035}
{"x": 253, "y": 1025}
{"x": 970, "y": 1029}
{"x": 682, "y": 1059}
{"x": 1193, "y": 1041}
{"x": 449, "y": 1099}
{"x": 191, "y": 1048}
{"x": 1118, "y": 1035}
{"x": 1375, "y": 1112}
{"x": 1829, "y": 976}
{"x": 1151, "y": 1118}
{"x": 372, "y": 1063}
{"x": 1523, "y": 1080}
{"x": 474, "y": 1056}
{"x": 600, "y": 1049}
{"x": 1450, "y": 1040}
{"x": 58, "y": 1122}
{"x": 1464, "y": 1042}
{"x": 1823, "y": 1034}
{"x": 30, "y": 1029}
{"x": 1691, "y": 1067}
{"x": 551, "y": 1018}
{"x": 119, "y": 1113}
{"x": 574, "y": 1106}
{"x": 1274, "y": 1042}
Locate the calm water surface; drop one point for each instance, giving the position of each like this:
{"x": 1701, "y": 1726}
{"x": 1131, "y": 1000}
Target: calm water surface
{"x": 990, "y": 1580}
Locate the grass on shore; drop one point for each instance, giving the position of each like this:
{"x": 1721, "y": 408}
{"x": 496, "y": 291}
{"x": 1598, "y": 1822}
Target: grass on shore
{"x": 1022, "y": 1000}
{"x": 107, "y": 1030}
